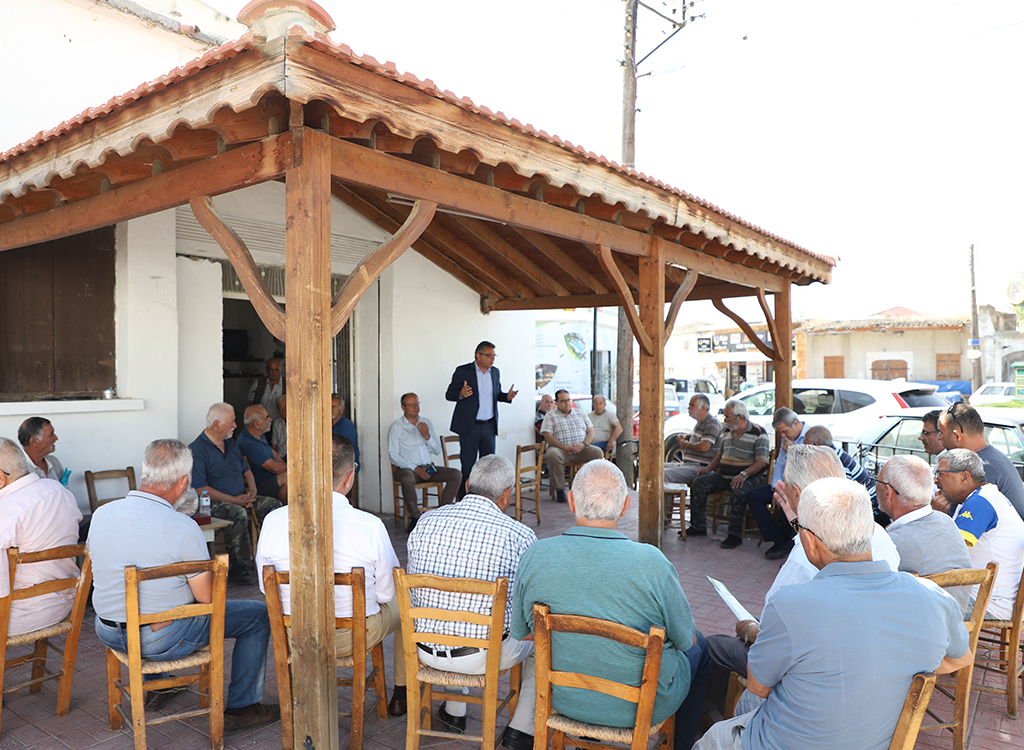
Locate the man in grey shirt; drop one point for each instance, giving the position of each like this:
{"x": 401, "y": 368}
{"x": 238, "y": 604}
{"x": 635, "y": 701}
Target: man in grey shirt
{"x": 928, "y": 541}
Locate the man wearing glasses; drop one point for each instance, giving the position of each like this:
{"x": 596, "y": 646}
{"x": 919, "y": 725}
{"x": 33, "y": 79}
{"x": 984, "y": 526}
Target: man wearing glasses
{"x": 962, "y": 427}
{"x": 569, "y": 434}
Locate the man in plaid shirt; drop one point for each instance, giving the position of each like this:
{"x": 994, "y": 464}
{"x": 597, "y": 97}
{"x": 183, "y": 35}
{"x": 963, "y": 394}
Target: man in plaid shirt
{"x": 475, "y": 539}
{"x": 569, "y": 434}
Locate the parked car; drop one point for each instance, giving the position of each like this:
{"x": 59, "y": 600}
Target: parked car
{"x": 688, "y": 387}
{"x": 847, "y": 406}
{"x": 897, "y": 434}
{"x": 672, "y": 406}
{"x": 994, "y": 393}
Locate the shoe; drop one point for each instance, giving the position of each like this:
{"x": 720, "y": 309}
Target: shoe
{"x": 412, "y": 524}
{"x": 240, "y": 576}
{"x": 397, "y": 706}
{"x": 157, "y": 699}
{"x": 692, "y": 531}
{"x": 455, "y": 724}
{"x": 779, "y": 550}
{"x": 255, "y": 715}
{"x": 732, "y": 542}
{"x": 560, "y": 496}
{"x": 513, "y": 739}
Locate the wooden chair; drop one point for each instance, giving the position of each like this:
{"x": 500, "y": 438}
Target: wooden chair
{"x": 91, "y": 477}
{"x": 70, "y": 626}
{"x": 984, "y": 578}
{"x": 557, "y": 725}
{"x": 905, "y": 735}
{"x": 424, "y": 487}
{"x": 448, "y": 456}
{"x": 360, "y": 680}
{"x": 1007, "y": 644}
{"x": 675, "y": 497}
{"x": 209, "y": 660}
{"x": 528, "y": 478}
{"x": 420, "y": 679}
{"x": 737, "y": 684}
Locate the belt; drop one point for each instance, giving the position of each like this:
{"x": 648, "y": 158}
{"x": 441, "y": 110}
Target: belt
{"x": 484, "y": 421}
{"x": 452, "y": 652}
{"x": 112, "y": 624}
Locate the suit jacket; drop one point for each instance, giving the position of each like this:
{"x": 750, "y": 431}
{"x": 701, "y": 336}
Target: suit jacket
{"x": 464, "y": 416}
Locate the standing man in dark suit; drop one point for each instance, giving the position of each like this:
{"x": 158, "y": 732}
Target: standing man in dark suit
{"x": 476, "y": 391}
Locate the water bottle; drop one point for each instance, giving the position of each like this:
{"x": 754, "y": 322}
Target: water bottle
{"x": 204, "y": 504}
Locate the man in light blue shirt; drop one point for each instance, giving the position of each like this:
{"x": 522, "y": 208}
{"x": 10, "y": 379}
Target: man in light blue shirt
{"x": 412, "y": 441}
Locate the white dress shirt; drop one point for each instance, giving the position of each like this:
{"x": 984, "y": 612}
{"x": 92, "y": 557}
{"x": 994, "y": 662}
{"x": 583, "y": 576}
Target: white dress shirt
{"x": 485, "y": 392}
{"x": 407, "y": 447}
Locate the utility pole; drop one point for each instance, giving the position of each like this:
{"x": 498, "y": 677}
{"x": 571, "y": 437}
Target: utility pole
{"x": 976, "y": 378}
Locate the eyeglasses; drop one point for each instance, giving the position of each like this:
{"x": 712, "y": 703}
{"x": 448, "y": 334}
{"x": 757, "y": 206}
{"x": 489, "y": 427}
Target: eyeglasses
{"x": 800, "y": 527}
{"x": 563, "y": 401}
{"x": 411, "y": 403}
{"x": 949, "y": 471}
{"x": 355, "y": 466}
{"x": 930, "y": 432}
{"x": 895, "y": 491}
{"x": 951, "y": 411}
{"x": 6, "y": 472}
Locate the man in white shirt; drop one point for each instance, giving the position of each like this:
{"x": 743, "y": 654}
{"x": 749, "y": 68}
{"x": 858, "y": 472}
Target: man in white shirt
{"x": 38, "y": 438}
{"x": 35, "y": 514}
{"x": 266, "y": 390}
{"x": 606, "y": 425}
{"x": 360, "y": 541}
{"x": 412, "y": 440}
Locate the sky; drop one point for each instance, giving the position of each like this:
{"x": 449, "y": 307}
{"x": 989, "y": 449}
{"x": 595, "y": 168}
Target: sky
{"x": 887, "y": 135}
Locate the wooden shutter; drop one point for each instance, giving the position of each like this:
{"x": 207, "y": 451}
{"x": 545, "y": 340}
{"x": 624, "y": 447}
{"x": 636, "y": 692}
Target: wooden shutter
{"x": 888, "y": 369}
{"x": 947, "y": 366}
{"x": 835, "y": 367}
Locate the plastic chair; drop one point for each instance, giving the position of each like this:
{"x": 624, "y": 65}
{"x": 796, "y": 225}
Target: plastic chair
{"x": 984, "y": 578}
{"x": 91, "y": 477}
{"x": 420, "y": 679}
{"x": 424, "y": 487}
{"x": 905, "y": 735}
{"x": 549, "y": 722}
{"x": 70, "y": 626}
{"x": 209, "y": 660}
{"x": 1008, "y": 661}
{"x": 360, "y": 680}
{"x": 524, "y": 482}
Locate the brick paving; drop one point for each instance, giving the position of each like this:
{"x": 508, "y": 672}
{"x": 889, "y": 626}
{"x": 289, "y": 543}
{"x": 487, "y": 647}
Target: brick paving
{"x": 28, "y": 721}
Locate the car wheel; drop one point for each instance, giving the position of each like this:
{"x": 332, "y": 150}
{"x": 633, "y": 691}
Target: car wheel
{"x": 673, "y": 452}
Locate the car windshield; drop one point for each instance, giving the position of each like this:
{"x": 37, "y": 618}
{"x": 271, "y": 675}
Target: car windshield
{"x": 923, "y": 398}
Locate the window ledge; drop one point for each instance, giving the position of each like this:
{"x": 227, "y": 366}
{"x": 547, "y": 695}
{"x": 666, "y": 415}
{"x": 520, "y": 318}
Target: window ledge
{"x": 85, "y": 406}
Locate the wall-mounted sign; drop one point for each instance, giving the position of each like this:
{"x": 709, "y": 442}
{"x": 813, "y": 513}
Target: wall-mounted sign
{"x": 704, "y": 345}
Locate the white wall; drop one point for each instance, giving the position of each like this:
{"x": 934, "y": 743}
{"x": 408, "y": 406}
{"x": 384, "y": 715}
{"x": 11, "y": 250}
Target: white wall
{"x": 200, "y": 343}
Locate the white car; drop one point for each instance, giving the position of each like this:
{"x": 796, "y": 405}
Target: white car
{"x": 994, "y": 393}
{"x": 847, "y": 406}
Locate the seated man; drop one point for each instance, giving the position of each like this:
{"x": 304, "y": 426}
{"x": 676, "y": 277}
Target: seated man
{"x": 545, "y": 405}
{"x": 596, "y": 571}
{"x": 786, "y": 423}
{"x": 279, "y": 430}
{"x": 989, "y": 524}
{"x": 35, "y": 514}
{"x": 144, "y": 530}
{"x": 360, "y": 541}
{"x": 739, "y": 466}
{"x": 606, "y": 425}
{"x": 220, "y": 470}
{"x": 820, "y": 435}
{"x": 474, "y": 538}
{"x": 836, "y": 656}
{"x": 928, "y": 541}
{"x": 37, "y": 437}
{"x": 412, "y": 441}
{"x": 700, "y": 447}
{"x": 268, "y": 468}
{"x": 342, "y": 425}
{"x": 569, "y": 435}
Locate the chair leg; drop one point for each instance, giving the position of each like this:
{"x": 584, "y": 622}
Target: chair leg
{"x": 138, "y": 700}
{"x": 1013, "y": 661}
{"x": 113, "y": 694}
{"x": 667, "y": 739}
{"x": 515, "y": 681}
{"x": 67, "y": 672}
{"x": 216, "y": 713}
{"x": 412, "y": 717}
{"x": 960, "y": 707}
{"x": 557, "y": 740}
{"x": 379, "y": 685}
{"x": 358, "y": 703}
{"x": 38, "y": 664}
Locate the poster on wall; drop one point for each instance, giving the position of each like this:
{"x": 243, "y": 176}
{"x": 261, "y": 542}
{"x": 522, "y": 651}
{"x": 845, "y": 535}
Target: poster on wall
{"x": 562, "y": 354}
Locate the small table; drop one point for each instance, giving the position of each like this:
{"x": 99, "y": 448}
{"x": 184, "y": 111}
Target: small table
{"x": 210, "y": 529}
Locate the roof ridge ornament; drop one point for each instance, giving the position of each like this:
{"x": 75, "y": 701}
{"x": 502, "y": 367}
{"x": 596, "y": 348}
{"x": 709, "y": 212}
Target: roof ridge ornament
{"x": 273, "y": 18}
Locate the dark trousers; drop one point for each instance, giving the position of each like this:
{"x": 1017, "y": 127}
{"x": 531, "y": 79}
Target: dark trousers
{"x": 407, "y": 478}
{"x": 712, "y": 482}
{"x": 728, "y": 654}
{"x": 758, "y": 500}
{"x": 477, "y": 442}
{"x": 689, "y": 712}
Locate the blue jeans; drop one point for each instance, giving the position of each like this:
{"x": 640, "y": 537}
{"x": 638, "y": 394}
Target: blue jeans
{"x": 688, "y": 713}
{"x": 245, "y": 621}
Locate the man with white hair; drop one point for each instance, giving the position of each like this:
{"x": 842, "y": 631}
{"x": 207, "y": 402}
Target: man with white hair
{"x": 596, "y": 571}
{"x": 700, "y": 446}
{"x": 143, "y": 529}
{"x": 474, "y": 538}
{"x": 220, "y": 469}
{"x": 606, "y": 425}
{"x": 739, "y": 467}
{"x": 928, "y": 541}
{"x": 988, "y": 523}
{"x": 35, "y": 514}
{"x": 268, "y": 469}
{"x": 836, "y": 656}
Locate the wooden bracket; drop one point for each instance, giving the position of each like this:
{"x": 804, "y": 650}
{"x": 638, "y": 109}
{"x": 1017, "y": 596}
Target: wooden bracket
{"x": 689, "y": 282}
{"x": 264, "y": 303}
{"x": 371, "y": 266}
{"x": 765, "y": 349}
{"x": 773, "y": 329}
{"x": 604, "y": 255}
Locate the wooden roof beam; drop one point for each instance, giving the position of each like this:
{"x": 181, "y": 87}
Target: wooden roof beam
{"x": 562, "y": 259}
{"x": 607, "y": 260}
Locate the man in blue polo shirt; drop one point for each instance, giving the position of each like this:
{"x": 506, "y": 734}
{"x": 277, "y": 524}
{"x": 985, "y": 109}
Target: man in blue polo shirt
{"x": 219, "y": 468}
{"x": 267, "y": 467}
{"x": 342, "y": 425}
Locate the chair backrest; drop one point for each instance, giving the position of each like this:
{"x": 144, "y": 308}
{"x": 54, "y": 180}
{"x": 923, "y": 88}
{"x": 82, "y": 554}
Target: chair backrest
{"x": 423, "y": 624}
{"x": 534, "y": 468}
{"x": 448, "y": 455}
{"x": 905, "y": 735}
{"x": 984, "y": 579}
{"x": 545, "y": 623}
{"x": 91, "y": 477}
{"x": 80, "y": 582}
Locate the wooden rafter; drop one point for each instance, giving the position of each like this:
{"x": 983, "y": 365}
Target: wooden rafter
{"x": 604, "y": 255}
{"x": 761, "y": 346}
{"x": 370, "y": 267}
{"x": 271, "y": 313}
{"x": 562, "y": 259}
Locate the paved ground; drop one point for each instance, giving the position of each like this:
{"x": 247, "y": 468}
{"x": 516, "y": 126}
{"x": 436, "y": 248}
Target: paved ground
{"x": 28, "y": 720}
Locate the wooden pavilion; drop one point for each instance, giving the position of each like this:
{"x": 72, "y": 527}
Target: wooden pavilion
{"x": 524, "y": 219}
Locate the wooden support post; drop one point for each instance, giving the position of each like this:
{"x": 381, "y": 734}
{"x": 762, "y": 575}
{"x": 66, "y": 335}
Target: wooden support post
{"x": 783, "y": 348}
{"x": 310, "y": 532}
{"x": 652, "y": 401}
